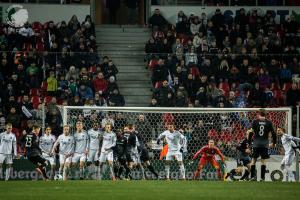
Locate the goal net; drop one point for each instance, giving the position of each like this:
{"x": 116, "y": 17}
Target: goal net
{"x": 227, "y": 126}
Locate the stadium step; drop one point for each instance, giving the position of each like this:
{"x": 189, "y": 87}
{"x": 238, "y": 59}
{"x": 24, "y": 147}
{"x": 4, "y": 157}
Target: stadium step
{"x": 131, "y": 76}
{"x": 123, "y": 34}
{"x": 129, "y": 42}
{"x": 125, "y": 55}
{"x": 125, "y": 46}
{"x": 120, "y": 47}
{"x": 128, "y": 61}
{"x": 136, "y": 70}
{"x": 135, "y": 91}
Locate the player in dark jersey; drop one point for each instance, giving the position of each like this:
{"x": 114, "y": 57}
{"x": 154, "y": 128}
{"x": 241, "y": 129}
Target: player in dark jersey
{"x": 121, "y": 155}
{"x": 262, "y": 127}
{"x": 30, "y": 142}
{"x": 132, "y": 147}
{"x": 243, "y": 159}
{"x": 143, "y": 152}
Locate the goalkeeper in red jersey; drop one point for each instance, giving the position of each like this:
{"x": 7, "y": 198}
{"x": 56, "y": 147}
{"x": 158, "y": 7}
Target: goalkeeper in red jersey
{"x": 208, "y": 156}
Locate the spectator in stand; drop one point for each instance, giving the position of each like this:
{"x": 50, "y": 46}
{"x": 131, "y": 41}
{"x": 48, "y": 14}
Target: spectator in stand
{"x": 14, "y": 118}
{"x": 89, "y": 27}
{"x": 162, "y": 93}
{"x": 76, "y": 101}
{"x": 116, "y": 99}
{"x": 157, "y": 19}
{"x": 159, "y": 73}
{"x": 111, "y": 70}
{"x": 153, "y": 103}
{"x": 74, "y": 24}
{"x": 85, "y": 92}
{"x": 112, "y": 85}
{"x": 100, "y": 100}
{"x": 100, "y": 84}
{"x": 72, "y": 73}
{"x": 52, "y": 84}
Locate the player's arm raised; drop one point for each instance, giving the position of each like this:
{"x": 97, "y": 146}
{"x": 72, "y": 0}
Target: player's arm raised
{"x": 296, "y": 139}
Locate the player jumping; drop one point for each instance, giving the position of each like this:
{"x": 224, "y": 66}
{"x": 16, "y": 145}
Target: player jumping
{"x": 289, "y": 145}
{"x": 208, "y": 156}
{"x": 46, "y": 145}
{"x": 66, "y": 150}
{"x": 8, "y": 149}
{"x": 261, "y": 129}
{"x": 108, "y": 143}
{"x": 177, "y": 145}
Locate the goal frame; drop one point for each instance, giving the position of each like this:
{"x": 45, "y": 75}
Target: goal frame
{"x": 159, "y": 110}
{"x": 179, "y": 110}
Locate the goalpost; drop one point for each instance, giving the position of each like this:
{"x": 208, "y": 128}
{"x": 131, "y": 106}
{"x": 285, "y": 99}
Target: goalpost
{"x": 227, "y": 126}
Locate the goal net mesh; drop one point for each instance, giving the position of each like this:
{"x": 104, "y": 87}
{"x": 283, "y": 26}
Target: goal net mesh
{"x": 227, "y": 127}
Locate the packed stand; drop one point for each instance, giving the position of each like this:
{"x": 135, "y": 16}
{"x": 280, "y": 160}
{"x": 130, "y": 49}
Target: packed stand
{"x": 47, "y": 65}
{"x": 245, "y": 61}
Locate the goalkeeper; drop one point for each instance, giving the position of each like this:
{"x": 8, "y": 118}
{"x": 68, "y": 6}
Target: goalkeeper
{"x": 208, "y": 156}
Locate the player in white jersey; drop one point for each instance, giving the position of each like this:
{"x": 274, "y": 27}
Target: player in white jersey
{"x": 176, "y": 146}
{"x": 66, "y": 150}
{"x": 81, "y": 148}
{"x": 94, "y": 146}
{"x": 8, "y": 149}
{"x": 46, "y": 144}
{"x": 289, "y": 145}
{"x": 108, "y": 142}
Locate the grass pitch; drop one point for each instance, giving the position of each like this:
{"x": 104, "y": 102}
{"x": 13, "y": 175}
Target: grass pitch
{"x": 158, "y": 190}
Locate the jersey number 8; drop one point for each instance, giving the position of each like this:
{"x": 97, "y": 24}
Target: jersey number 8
{"x": 261, "y": 130}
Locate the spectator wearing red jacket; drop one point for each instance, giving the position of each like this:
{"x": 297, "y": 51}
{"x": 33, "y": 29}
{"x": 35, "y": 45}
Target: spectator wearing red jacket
{"x": 100, "y": 84}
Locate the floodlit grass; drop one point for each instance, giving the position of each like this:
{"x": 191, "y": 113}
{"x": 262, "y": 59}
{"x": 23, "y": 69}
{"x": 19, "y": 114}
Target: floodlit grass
{"x": 158, "y": 190}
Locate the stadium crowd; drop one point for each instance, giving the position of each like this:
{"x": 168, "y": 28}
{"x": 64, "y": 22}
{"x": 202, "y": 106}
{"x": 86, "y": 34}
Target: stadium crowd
{"x": 47, "y": 65}
{"x": 248, "y": 60}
